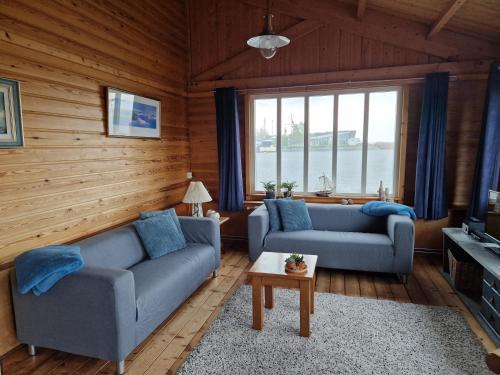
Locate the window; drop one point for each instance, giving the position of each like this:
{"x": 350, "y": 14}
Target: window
{"x": 352, "y": 137}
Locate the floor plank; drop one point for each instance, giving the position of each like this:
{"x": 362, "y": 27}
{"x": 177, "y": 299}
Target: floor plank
{"x": 352, "y": 284}
{"x": 430, "y": 290}
{"x": 366, "y": 285}
{"x": 382, "y": 288}
{"x": 323, "y": 280}
{"x": 164, "y": 351}
{"x": 337, "y": 282}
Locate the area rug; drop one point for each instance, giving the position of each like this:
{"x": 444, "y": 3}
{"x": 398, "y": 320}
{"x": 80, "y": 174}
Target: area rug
{"x": 349, "y": 335}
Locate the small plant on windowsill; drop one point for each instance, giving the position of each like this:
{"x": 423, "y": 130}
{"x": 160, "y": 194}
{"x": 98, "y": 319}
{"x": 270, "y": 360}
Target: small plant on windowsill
{"x": 270, "y": 189}
{"x": 288, "y": 188}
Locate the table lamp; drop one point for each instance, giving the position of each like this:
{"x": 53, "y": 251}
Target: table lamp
{"x": 197, "y": 194}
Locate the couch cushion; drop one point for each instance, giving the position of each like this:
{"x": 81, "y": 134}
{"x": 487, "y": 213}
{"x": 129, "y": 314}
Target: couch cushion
{"x": 169, "y": 212}
{"x": 294, "y": 215}
{"x": 115, "y": 248}
{"x": 162, "y": 284}
{"x": 160, "y": 235}
{"x": 345, "y": 250}
{"x": 344, "y": 218}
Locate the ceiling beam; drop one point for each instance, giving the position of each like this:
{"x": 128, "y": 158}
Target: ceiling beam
{"x": 386, "y": 28}
{"x": 218, "y": 71}
{"x": 404, "y": 74}
{"x": 445, "y": 17}
{"x": 361, "y": 9}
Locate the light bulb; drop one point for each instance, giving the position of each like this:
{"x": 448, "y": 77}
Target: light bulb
{"x": 268, "y": 53}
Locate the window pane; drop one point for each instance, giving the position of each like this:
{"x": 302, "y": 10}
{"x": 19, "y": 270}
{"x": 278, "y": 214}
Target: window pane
{"x": 265, "y": 127}
{"x": 381, "y": 140}
{"x": 350, "y": 143}
{"x": 292, "y": 141}
{"x": 320, "y": 140}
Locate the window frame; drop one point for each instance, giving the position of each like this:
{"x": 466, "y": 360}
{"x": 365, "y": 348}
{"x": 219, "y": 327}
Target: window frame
{"x": 397, "y": 190}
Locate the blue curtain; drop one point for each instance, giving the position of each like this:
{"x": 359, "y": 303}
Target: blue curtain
{"x": 430, "y": 184}
{"x": 488, "y": 156}
{"x": 229, "y": 151}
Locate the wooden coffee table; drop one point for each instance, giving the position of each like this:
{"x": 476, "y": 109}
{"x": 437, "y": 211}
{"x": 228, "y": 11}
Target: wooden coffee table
{"x": 267, "y": 272}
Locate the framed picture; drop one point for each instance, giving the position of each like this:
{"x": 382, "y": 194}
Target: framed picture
{"x": 11, "y": 126}
{"x": 131, "y": 115}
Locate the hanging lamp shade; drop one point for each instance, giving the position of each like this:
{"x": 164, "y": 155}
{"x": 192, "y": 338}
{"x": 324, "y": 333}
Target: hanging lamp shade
{"x": 268, "y": 42}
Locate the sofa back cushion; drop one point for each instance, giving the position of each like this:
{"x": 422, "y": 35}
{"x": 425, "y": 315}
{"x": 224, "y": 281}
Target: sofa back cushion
{"x": 116, "y": 248}
{"x": 344, "y": 218}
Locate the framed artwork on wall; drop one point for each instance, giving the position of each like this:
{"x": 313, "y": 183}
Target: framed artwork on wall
{"x": 11, "y": 124}
{"x": 131, "y": 115}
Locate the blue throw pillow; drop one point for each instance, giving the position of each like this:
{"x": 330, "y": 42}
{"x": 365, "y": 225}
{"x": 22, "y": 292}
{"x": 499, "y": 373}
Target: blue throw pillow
{"x": 160, "y": 235}
{"x": 294, "y": 215}
{"x": 169, "y": 211}
{"x": 274, "y": 215}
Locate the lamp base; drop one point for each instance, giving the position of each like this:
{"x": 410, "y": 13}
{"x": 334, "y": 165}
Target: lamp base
{"x": 197, "y": 210}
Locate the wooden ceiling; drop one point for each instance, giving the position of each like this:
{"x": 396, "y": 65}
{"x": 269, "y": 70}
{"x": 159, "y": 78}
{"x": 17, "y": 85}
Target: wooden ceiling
{"x": 479, "y": 18}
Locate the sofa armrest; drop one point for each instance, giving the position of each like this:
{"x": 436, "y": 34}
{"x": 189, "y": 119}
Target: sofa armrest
{"x": 401, "y": 231}
{"x": 202, "y": 230}
{"x": 258, "y": 226}
{"x": 91, "y": 312}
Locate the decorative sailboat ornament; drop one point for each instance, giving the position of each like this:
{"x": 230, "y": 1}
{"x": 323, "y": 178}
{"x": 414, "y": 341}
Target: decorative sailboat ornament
{"x": 325, "y": 186}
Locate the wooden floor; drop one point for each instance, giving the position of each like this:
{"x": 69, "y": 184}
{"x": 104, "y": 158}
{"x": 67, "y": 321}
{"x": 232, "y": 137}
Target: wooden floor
{"x": 165, "y": 350}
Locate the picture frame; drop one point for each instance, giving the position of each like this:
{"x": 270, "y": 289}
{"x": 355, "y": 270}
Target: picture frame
{"x": 131, "y": 115}
{"x": 11, "y": 123}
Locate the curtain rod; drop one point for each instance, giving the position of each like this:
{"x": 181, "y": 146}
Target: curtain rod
{"x": 452, "y": 78}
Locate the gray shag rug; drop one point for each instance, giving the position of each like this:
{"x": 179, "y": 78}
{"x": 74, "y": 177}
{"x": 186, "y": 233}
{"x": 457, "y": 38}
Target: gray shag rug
{"x": 349, "y": 335}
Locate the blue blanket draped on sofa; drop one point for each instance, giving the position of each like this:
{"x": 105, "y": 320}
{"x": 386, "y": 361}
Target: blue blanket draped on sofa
{"x": 379, "y": 208}
{"x": 39, "y": 269}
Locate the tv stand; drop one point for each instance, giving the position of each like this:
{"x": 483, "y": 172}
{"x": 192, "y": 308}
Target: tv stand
{"x": 485, "y": 306}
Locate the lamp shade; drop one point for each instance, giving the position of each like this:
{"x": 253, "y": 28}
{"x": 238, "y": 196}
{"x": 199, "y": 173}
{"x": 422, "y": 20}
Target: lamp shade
{"x": 196, "y": 193}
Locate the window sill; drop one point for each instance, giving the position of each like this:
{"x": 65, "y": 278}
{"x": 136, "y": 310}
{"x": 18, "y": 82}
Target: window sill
{"x": 313, "y": 199}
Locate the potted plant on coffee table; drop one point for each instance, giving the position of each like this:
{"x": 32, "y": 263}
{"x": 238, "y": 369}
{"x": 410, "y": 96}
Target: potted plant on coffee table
{"x": 270, "y": 189}
{"x": 287, "y": 188}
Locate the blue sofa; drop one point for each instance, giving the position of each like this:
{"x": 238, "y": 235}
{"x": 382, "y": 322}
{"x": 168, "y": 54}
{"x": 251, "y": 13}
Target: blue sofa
{"x": 343, "y": 237}
{"x": 120, "y": 296}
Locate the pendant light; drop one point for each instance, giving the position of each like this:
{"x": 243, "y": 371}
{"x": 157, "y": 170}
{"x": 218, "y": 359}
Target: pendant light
{"x": 268, "y": 42}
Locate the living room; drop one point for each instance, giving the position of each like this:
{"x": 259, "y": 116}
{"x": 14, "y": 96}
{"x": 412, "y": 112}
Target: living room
{"x": 249, "y": 187}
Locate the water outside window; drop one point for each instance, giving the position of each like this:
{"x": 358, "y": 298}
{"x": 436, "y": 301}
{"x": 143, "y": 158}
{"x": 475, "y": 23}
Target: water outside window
{"x": 292, "y": 141}
{"x": 265, "y": 129}
{"x": 350, "y": 143}
{"x": 320, "y": 139}
{"x": 381, "y": 140}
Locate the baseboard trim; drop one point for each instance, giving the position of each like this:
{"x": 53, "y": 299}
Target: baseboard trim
{"x": 423, "y": 250}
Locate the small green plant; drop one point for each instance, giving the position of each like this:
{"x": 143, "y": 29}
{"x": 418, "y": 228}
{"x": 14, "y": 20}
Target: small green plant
{"x": 269, "y": 186}
{"x": 295, "y": 258}
{"x": 289, "y": 186}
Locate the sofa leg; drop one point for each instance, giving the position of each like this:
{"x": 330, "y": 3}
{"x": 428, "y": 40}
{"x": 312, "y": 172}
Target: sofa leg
{"x": 403, "y": 277}
{"x": 31, "y": 350}
{"x": 120, "y": 368}
{"x": 214, "y": 274}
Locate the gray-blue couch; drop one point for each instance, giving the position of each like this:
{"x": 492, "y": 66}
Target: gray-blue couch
{"x": 120, "y": 296}
{"x": 343, "y": 238}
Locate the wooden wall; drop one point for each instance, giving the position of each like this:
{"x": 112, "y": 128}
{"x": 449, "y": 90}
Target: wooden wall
{"x": 327, "y": 48}
{"x": 71, "y": 180}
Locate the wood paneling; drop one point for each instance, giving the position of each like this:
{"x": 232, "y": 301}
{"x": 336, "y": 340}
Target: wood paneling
{"x": 331, "y": 53}
{"x": 71, "y": 180}
{"x": 476, "y": 17}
